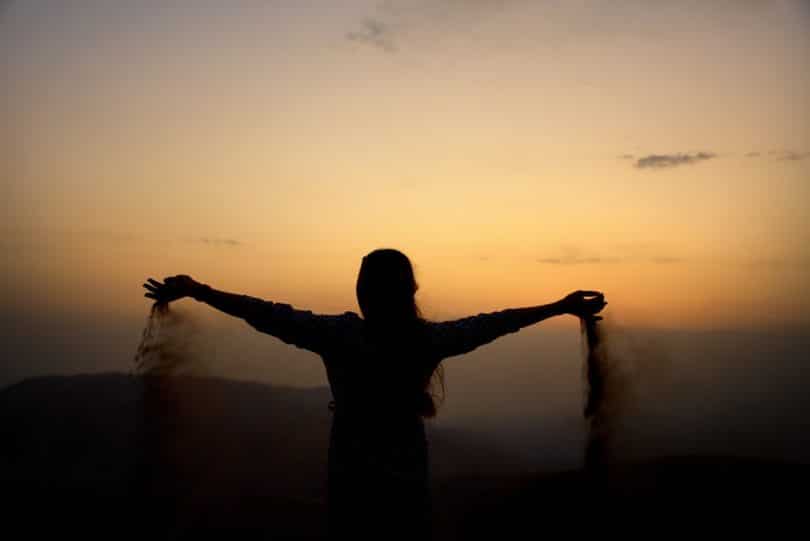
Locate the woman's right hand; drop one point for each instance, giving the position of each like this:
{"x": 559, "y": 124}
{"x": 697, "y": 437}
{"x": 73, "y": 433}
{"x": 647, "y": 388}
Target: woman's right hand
{"x": 583, "y": 304}
{"x": 171, "y": 289}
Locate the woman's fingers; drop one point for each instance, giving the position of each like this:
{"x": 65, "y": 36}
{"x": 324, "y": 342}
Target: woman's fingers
{"x": 171, "y": 289}
{"x": 156, "y": 290}
{"x": 593, "y": 306}
{"x": 150, "y": 288}
{"x": 589, "y": 293}
{"x": 585, "y": 302}
{"x": 597, "y": 307}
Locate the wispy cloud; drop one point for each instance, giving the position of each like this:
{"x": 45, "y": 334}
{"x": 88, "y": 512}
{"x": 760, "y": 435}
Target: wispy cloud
{"x": 779, "y": 262}
{"x": 574, "y": 255}
{"x": 792, "y": 156}
{"x": 665, "y": 260}
{"x": 661, "y": 161}
{"x": 429, "y": 22}
{"x": 393, "y": 22}
{"x": 376, "y": 33}
{"x": 574, "y": 260}
{"x": 220, "y": 242}
{"x": 779, "y": 155}
{"x": 626, "y": 157}
{"x": 658, "y": 260}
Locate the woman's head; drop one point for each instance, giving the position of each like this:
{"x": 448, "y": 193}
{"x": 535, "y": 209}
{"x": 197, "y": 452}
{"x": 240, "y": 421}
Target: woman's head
{"x": 386, "y": 288}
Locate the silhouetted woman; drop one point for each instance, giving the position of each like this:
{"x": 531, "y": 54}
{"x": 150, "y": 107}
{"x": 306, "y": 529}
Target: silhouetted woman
{"x": 379, "y": 368}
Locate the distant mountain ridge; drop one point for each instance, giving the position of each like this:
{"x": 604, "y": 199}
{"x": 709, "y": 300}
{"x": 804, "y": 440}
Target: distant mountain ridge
{"x": 200, "y": 444}
{"x": 115, "y": 455}
{"x": 37, "y": 413}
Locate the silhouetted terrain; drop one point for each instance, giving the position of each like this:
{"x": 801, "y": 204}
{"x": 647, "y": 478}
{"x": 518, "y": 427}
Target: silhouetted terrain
{"x": 119, "y": 456}
{"x": 182, "y": 453}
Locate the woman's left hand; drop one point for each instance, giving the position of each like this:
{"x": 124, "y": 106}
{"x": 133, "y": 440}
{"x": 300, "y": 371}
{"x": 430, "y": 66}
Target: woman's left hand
{"x": 171, "y": 289}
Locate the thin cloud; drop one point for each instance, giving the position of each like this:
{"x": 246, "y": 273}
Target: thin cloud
{"x": 375, "y": 33}
{"x": 574, "y": 260}
{"x": 626, "y": 157}
{"x": 385, "y": 29}
{"x": 598, "y": 260}
{"x": 788, "y": 155}
{"x": 661, "y": 161}
{"x": 220, "y": 242}
{"x": 752, "y": 155}
{"x": 793, "y": 156}
{"x": 562, "y": 22}
{"x": 665, "y": 260}
{"x": 779, "y": 262}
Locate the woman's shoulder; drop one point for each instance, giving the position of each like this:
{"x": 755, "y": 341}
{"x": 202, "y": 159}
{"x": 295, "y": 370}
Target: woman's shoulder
{"x": 346, "y": 321}
{"x": 351, "y": 318}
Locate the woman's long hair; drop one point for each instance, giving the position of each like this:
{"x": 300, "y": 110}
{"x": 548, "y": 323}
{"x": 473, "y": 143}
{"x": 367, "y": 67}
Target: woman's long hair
{"x": 386, "y": 290}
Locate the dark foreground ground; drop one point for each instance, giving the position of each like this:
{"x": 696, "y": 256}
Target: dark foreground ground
{"x": 112, "y": 456}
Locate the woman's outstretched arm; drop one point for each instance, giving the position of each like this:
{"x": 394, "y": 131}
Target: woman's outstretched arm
{"x": 301, "y": 328}
{"x": 181, "y": 286}
{"x": 466, "y": 334}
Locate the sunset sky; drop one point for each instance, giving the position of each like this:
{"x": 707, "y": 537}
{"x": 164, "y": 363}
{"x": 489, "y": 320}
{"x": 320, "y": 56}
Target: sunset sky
{"x": 515, "y": 150}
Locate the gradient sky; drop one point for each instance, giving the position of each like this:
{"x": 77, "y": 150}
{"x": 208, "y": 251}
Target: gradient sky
{"x": 515, "y": 150}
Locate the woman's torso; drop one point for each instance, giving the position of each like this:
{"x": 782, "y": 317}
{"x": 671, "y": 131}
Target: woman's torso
{"x": 378, "y": 453}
